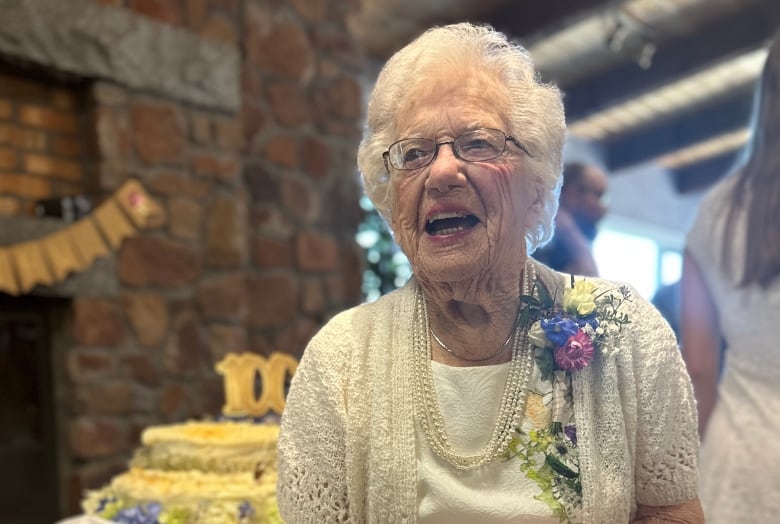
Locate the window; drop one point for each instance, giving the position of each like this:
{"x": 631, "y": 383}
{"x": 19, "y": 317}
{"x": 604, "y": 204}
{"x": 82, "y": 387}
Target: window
{"x": 628, "y": 258}
{"x": 671, "y": 267}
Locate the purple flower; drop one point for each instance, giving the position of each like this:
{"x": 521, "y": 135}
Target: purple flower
{"x": 576, "y": 353}
{"x": 559, "y": 329}
{"x": 571, "y": 433}
{"x": 139, "y": 514}
{"x": 245, "y": 510}
{"x": 153, "y": 509}
{"x": 132, "y": 515}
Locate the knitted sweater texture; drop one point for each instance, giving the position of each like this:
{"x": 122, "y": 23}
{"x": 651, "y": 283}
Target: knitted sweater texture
{"x": 347, "y": 442}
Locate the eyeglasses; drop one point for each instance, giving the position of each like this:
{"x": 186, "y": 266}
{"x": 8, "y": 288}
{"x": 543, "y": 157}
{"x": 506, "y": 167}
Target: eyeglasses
{"x": 479, "y": 145}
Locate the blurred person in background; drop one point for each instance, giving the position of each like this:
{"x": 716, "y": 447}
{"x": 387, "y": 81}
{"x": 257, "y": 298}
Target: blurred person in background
{"x": 489, "y": 388}
{"x": 731, "y": 289}
{"x": 576, "y": 224}
{"x": 667, "y": 300}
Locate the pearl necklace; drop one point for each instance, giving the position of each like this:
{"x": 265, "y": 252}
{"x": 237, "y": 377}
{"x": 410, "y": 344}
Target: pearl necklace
{"x": 513, "y": 400}
{"x": 480, "y": 359}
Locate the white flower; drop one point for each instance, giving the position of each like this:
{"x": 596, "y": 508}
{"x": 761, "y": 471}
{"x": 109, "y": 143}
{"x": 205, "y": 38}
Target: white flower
{"x": 537, "y": 336}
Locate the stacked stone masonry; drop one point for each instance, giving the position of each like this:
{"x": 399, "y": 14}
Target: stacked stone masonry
{"x": 261, "y": 203}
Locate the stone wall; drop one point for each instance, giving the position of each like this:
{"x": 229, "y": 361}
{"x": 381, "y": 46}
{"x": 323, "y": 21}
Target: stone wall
{"x": 260, "y": 191}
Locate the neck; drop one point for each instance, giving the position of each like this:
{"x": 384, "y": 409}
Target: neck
{"x": 496, "y": 356}
{"x": 472, "y": 332}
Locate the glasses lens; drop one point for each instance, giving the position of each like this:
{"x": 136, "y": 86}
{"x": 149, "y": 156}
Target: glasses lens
{"x": 480, "y": 145}
{"x": 411, "y": 153}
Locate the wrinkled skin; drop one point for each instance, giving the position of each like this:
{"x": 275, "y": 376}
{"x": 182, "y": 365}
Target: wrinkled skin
{"x": 471, "y": 278}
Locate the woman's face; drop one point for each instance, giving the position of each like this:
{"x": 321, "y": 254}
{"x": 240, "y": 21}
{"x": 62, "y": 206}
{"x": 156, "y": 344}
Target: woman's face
{"x": 461, "y": 221}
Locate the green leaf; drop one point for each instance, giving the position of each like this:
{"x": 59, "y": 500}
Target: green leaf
{"x": 524, "y": 316}
{"x": 575, "y": 485}
{"x": 557, "y": 508}
{"x": 531, "y": 302}
{"x": 544, "y": 359}
{"x": 559, "y": 467}
{"x": 545, "y": 299}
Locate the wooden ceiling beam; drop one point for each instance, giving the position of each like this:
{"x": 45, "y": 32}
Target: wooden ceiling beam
{"x": 748, "y": 29}
{"x": 683, "y": 130}
{"x": 530, "y": 19}
{"x": 702, "y": 175}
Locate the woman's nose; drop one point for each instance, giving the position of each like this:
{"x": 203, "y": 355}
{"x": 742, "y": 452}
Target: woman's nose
{"x": 444, "y": 172}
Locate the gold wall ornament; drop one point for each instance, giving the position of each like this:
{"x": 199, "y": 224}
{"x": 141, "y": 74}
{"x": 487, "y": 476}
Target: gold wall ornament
{"x": 142, "y": 210}
{"x": 51, "y": 259}
{"x": 113, "y": 223}
{"x": 8, "y": 282}
{"x": 85, "y": 238}
{"x": 31, "y": 265}
{"x": 240, "y": 372}
{"x": 59, "y": 247}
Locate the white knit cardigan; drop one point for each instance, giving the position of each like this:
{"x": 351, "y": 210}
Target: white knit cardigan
{"x": 347, "y": 442}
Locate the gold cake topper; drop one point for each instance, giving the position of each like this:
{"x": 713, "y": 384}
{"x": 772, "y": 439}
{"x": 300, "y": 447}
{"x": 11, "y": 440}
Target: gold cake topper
{"x": 240, "y": 372}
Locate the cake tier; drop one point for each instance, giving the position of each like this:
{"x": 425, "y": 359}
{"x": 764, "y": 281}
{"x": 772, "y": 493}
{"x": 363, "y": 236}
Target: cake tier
{"x": 186, "y": 497}
{"x": 217, "y": 447}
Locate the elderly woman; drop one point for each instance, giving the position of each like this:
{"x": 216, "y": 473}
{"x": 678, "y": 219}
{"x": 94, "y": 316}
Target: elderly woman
{"x": 489, "y": 388}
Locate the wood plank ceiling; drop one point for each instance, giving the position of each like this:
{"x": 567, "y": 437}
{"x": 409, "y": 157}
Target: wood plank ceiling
{"x": 664, "y": 81}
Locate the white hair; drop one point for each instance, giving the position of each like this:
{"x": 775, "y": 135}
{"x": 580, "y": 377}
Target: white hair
{"x": 535, "y": 116}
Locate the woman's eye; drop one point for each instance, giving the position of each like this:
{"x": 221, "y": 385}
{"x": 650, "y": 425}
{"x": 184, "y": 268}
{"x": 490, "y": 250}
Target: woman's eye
{"x": 477, "y": 144}
{"x": 413, "y": 155}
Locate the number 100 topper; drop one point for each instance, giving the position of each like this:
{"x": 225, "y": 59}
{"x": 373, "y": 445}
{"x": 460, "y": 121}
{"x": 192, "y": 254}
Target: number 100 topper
{"x": 255, "y": 385}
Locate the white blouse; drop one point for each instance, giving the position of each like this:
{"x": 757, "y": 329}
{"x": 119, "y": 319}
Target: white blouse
{"x": 469, "y": 398}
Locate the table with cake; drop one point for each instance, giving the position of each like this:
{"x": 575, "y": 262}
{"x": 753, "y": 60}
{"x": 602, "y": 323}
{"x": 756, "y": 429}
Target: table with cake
{"x": 220, "y": 471}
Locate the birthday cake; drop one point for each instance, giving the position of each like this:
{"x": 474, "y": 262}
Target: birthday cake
{"x": 207, "y": 472}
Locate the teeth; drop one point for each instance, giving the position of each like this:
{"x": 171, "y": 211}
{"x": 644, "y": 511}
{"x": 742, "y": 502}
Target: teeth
{"x": 442, "y": 216}
{"x": 448, "y": 231}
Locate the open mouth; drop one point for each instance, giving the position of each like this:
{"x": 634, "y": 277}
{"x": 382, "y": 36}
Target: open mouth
{"x": 450, "y": 223}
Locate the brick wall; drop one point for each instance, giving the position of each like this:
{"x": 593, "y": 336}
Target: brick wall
{"x": 44, "y": 146}
{"x": 258, "y": 248}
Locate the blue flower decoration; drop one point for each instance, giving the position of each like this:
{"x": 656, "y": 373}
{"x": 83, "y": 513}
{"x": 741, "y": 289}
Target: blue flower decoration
{"x": 590, "y": 320}
{"x": 139, "y": 514}
{"x": 130, "y": 516}
{"x": 245, "y": 510}
{"x": 559, "y": 329}
{"x": 154, "y": 509}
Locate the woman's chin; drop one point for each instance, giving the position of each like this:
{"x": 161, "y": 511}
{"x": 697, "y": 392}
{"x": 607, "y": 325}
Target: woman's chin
{"x": 449, "y": 258}
{"x": 449, "y": 270}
